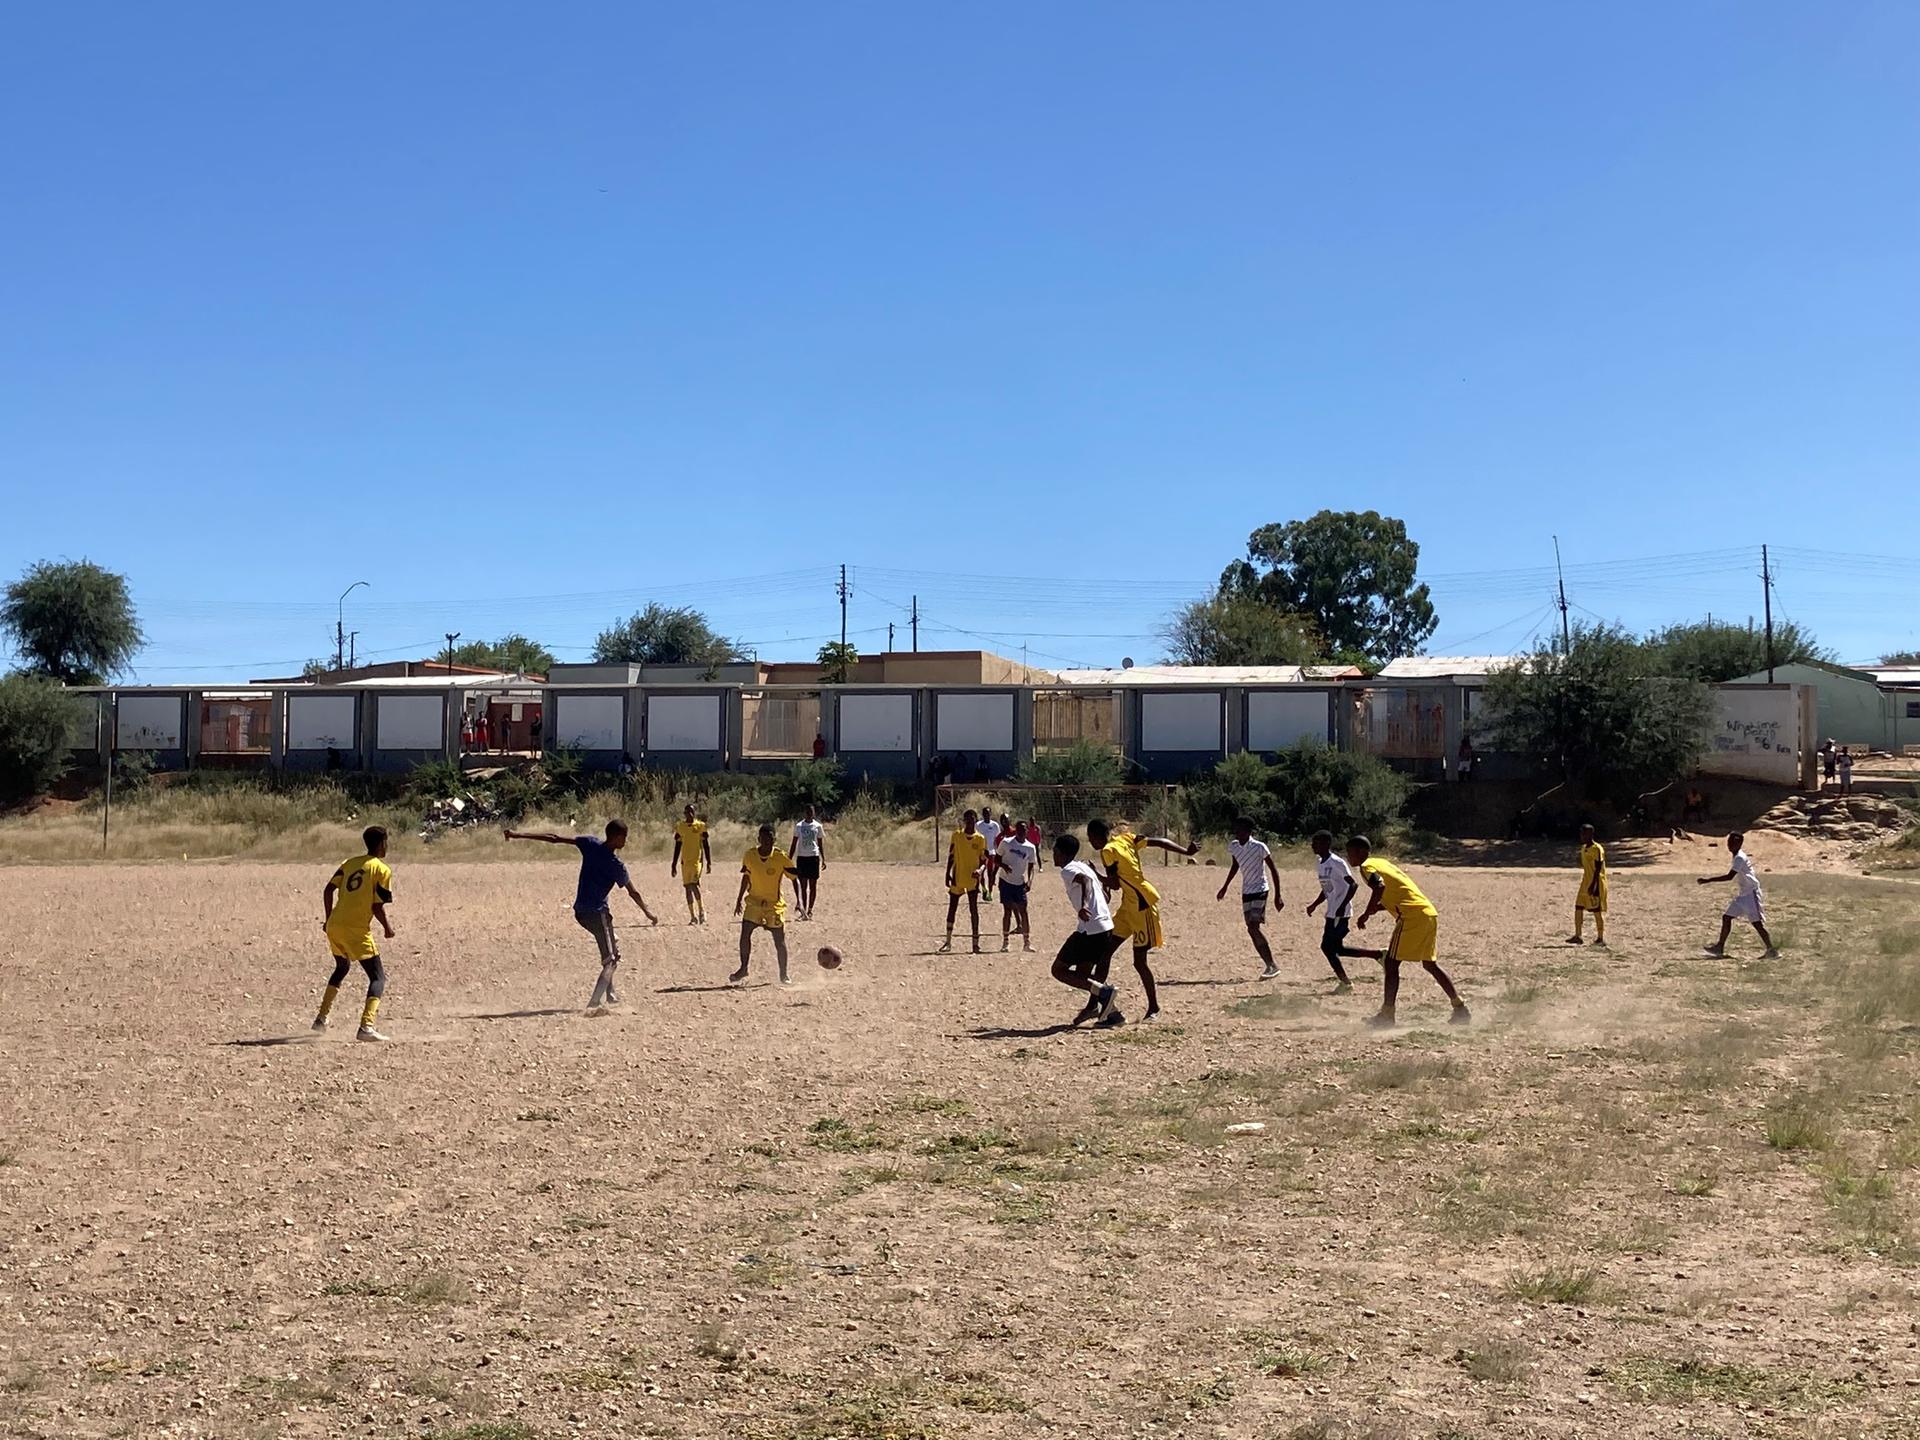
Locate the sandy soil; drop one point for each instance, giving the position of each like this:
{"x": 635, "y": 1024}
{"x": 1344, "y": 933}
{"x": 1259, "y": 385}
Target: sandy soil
{"x": 903, "y": 1200}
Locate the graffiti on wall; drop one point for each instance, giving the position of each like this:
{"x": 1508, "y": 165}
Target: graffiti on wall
{"x": 1748, "y": 737}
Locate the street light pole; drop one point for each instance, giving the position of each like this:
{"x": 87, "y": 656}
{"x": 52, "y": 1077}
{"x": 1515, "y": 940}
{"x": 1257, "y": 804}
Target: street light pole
{"x": 340, "y": 624}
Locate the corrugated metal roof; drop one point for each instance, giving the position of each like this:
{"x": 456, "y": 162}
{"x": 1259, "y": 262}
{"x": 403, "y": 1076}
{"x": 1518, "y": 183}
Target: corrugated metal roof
{"x": 1894, "y": 674}
{"x": 1436, "y": 667}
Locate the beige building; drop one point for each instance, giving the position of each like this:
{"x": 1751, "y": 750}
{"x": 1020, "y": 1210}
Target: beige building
{"x": 914, "y": 667}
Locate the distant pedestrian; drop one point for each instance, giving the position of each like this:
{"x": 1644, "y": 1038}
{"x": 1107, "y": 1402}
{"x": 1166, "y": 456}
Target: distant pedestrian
{"x": 819, "y": 747}
{"x": 483, "y": 732}
{"x": 1846, "y": 771}
{"x": 1828, "y": 762}
{"x": 535, "y": 729}
{"x": 466, "y": 733}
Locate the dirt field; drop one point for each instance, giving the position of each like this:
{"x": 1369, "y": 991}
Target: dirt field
{"x": 1646, "y": 1193}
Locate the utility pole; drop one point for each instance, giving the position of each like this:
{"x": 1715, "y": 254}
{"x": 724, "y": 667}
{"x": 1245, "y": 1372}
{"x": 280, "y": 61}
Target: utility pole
{"x": 843, "y": 609}
{"x": 889, "y": 637}
{"x": 452, "y": 635}
{"x": 914, "y": 619}
{"x": 353, "y": 657}
{"x": 1766, "y": 585}
{"x": 339, "y": 624}
{"x": 1566, "y": 631}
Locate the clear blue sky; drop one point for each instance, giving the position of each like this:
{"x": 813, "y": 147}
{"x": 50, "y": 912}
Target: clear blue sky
{"x": 528, "y": 314}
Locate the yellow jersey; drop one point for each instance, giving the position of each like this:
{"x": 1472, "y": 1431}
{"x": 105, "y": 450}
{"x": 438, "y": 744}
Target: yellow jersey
{"x": 360, "y": 883}
{"x": 1121, "y": 856}
{"x": 690, "y": 834}
{"x": 1593, "y": 876}
{"x": 1399, "y": 895}
{"x": 764, "y": 874}
{"x": 969, "y": 852}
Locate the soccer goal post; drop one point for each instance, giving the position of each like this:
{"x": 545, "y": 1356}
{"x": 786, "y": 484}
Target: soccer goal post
{"x": 1060, "y": 809}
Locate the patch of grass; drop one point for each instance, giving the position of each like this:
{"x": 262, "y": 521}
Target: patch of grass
{"x": 971, "y": 1142}
{"x": 1405, "y": 1073}
{"x": 834, "y": 1134}
{"x": 920, "y": 1104}
{"x": 771, "y": 1272}
{"x": 1288, "y": 1361}
{"x": 548, "y": 1116}
{"x": 578, "y": 1223}
{"x": 865, "y": 1415}
{"x": 1023, "y": 1206}
{"x": 1797, "y": 1125}
{"x": 7, "y": 1157}
{"x": 1692, "y": 1378}
{"x": 719, "y": 1344}
{"x": 978, "y": 1395}
{"x": 294, "y": 1389}
{"x": 865, "y": 1177}
{"x": 431, "y": 1383}
{"x": 1273, "y": 1005}
{"x": 356, "y": 1289}
{"x": 1207, "y": 1394}
{"x": 437, "y": 1287}
{"x": 1865, "y": 1205}
{"x": 1696, "y": 1187}
{"x": 1558, "y": 1284}
{"x": 1494, "y": 1360}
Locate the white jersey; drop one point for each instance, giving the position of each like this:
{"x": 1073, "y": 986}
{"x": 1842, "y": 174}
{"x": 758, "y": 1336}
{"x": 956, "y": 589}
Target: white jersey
{"x": 1085, "y": 890}
{"x": 1749, "y": 882}
{"x": 1252, "y": 860}
{"x": 1017, "y": 859}
{"x": 991, "y": 830}
{"x": 807, "y": 835}
{"x": 1335, "y": 877}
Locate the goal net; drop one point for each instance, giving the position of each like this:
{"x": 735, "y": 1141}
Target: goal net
{"x": 1060, "y": 809}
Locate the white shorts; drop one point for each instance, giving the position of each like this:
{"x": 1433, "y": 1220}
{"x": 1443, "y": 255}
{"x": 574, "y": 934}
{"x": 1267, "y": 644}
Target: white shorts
{"x": 1748, "y": 908}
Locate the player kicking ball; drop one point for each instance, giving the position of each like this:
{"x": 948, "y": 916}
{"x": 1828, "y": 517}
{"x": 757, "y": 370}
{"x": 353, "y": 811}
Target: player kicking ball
{"x": 356, "y": 896}
{"x": 1253, "y": 863}
{"x": 601, "y": 869}
{"x": 1416, "y": 931}
{"x": 1083, "y": 960}
{"x": 1137, "y": 917}
{"x": 692, "y": 857}
{"x": 761, "y": 903}
{"x": 1592, "y": 896}
{"x": 1748, "y": 903}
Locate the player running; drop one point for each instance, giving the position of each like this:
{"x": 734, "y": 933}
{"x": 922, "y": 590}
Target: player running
{"x": 1083, "y": 959}
{"x": 760, "y": 903}
{"x": 1416, "y": 931}
{"x": 356, "y": 896}
{"x": 1337, "y": 889}
{"x": 966, "y": 859}
{"x": 692, "y": 857}
{"x": 601, "y": 870}
{"x": 1591, "y": 898}
{"x": 1018, "y": 860}
{"x": 1253, "y": 863}
{"x": 809, "y": 859}
{"x": 1137, "y": 917}
{"x": 1748, "y": 903}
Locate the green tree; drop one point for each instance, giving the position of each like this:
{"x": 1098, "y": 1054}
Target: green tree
{"x": 315, "y": 669}
{"x": 1901, "y": 657}
{"x": 513, "y": 652}
{"x": 39, "y": 724}
{"x": 1233, "y": 629}
{"x": 837, "y": 660}
{"x": 1301, "y": 790}
{"x": 1599, "y": 712}
{"x": 1716, "y": 653}
{"x": 1084, "y": 762}
{"x": 72, "y": 621}
{"x": 1349, "y": 575}
{"x": 664, "y": 635}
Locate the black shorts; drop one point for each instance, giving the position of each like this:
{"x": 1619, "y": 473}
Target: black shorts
{"x": 1333, "y": 935}
{"x": 1084, "y": 952}
{"x": 807, "y": 867}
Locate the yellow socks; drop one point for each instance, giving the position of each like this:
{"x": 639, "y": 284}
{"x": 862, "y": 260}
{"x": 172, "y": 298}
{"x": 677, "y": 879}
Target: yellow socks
{"x": 367, "y": 1014}
{"x": 326, "y": 1002}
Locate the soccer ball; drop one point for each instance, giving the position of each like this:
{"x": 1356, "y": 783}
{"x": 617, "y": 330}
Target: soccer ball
{"x": 828, "y": 957}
